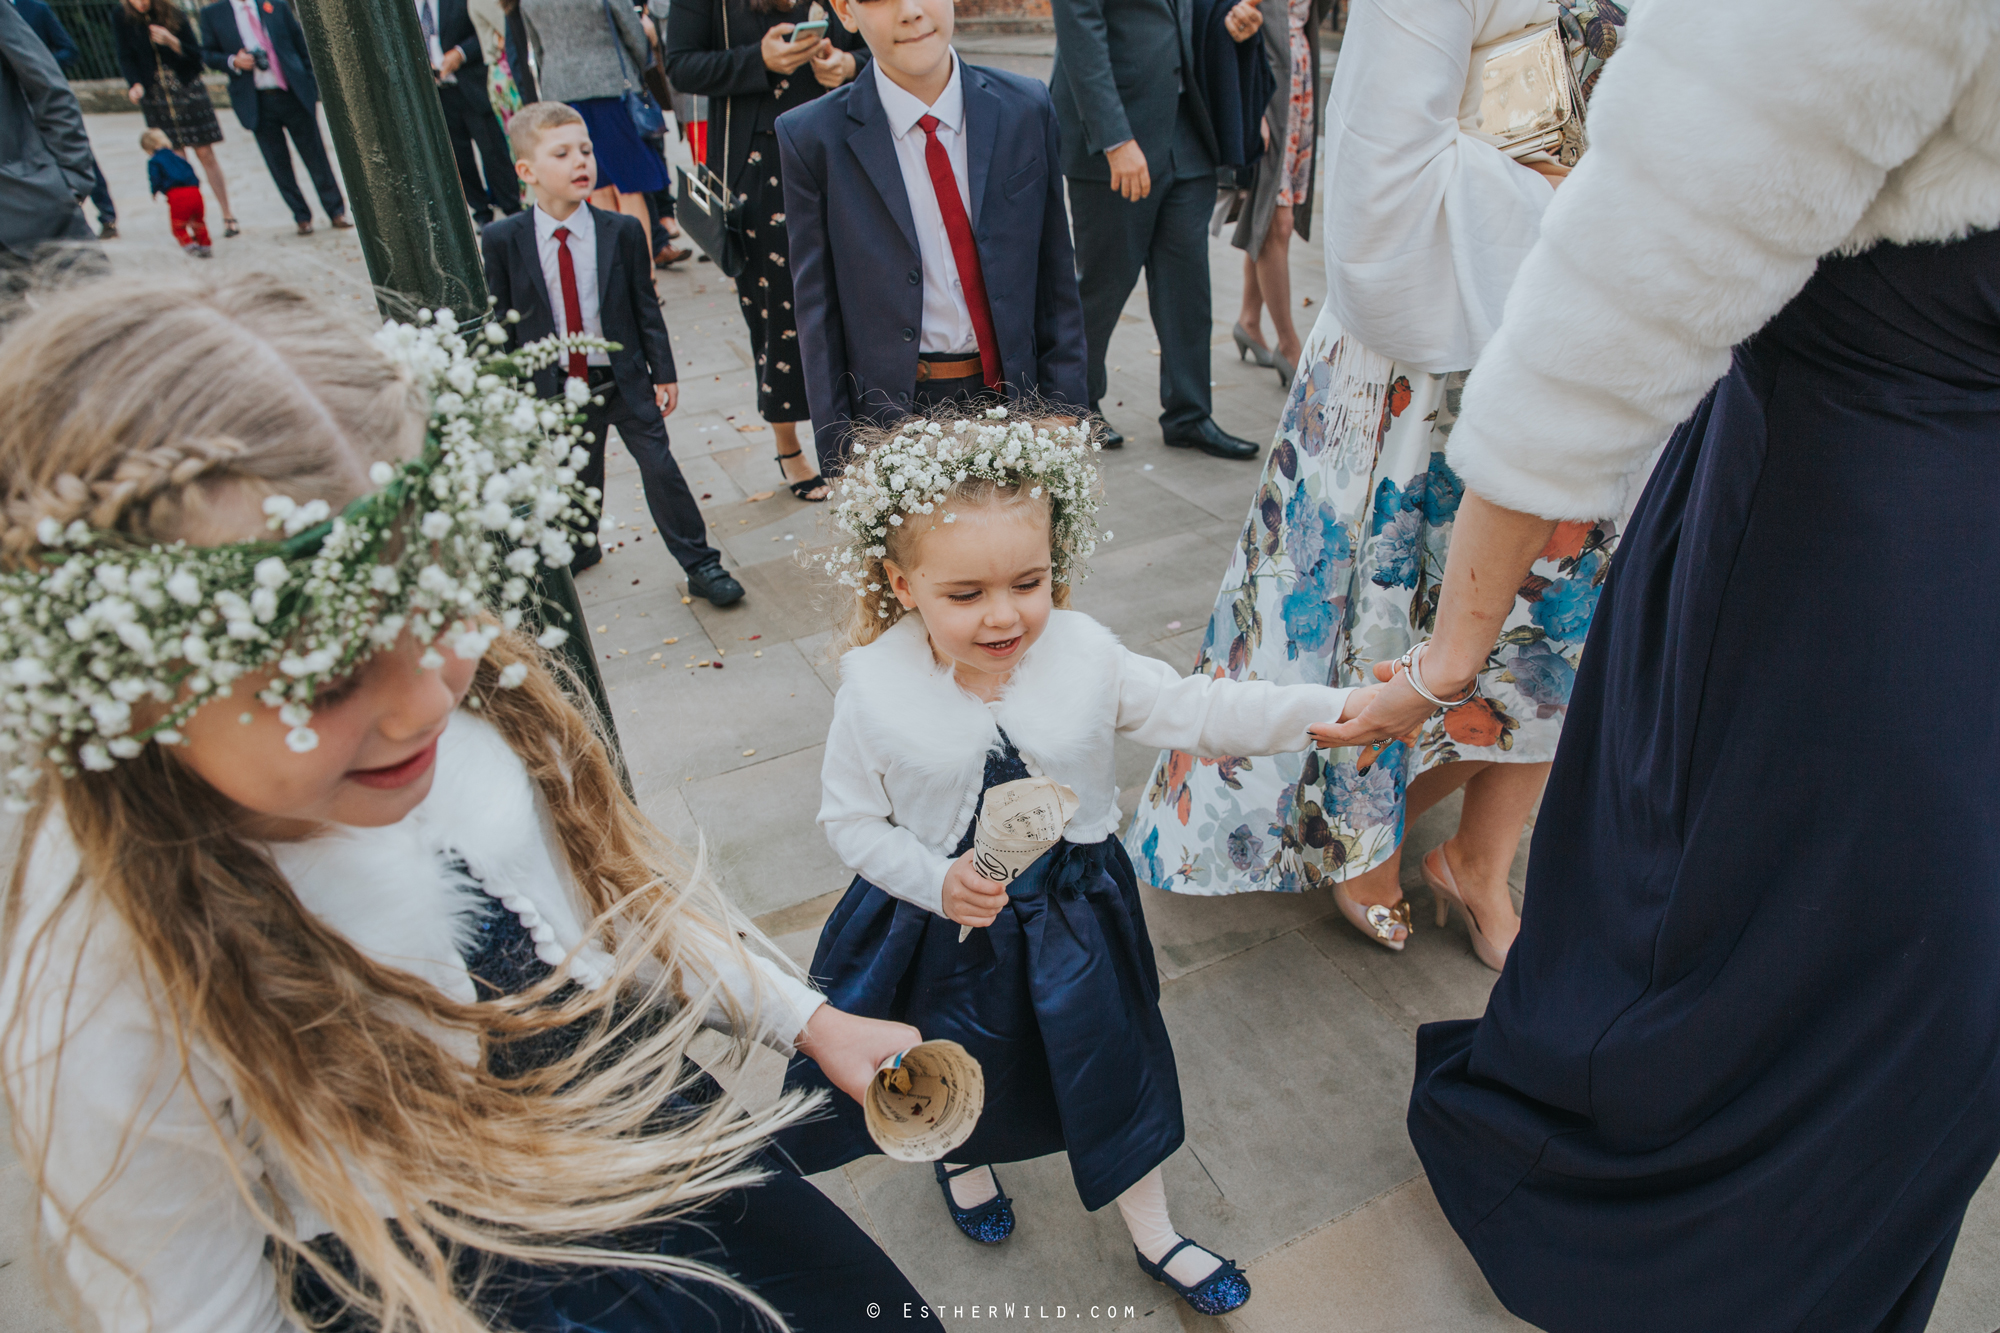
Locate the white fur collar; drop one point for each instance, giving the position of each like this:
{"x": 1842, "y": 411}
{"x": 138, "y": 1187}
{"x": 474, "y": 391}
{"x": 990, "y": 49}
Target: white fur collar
{"x": 390, "y": 891}
{"x": 1053, "y": 708}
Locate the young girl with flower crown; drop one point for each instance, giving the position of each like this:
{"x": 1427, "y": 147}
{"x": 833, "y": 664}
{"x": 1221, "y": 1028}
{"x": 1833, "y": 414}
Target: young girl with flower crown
{"x": 343, "y": 985}
{"x": 964, "y": 669}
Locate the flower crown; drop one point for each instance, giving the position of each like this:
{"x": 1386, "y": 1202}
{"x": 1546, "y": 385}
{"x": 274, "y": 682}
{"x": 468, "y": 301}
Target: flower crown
{"x": 914, "y": 469}
{"x": 103, "y": 621}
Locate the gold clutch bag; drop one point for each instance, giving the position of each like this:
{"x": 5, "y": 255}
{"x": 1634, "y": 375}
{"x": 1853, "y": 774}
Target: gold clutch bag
{"x": 1530, "y": 101}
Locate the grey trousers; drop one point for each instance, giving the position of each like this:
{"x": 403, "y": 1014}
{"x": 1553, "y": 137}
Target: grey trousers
{"x": 1166, "y": 235}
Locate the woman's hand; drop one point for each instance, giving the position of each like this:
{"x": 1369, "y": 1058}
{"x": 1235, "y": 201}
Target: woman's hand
{"x": 651, "y": 29}
{"x": 1243, "y": 20}
{"x": 136, "y": 92}
{"x": 1379, "y": 713}
{"x": 831, "y": 65}
{"x": 162, "y": 37}
{"x": 970, "y": 898}
{"x": 849, "y": 1049}
{"x": 781, "y": 54}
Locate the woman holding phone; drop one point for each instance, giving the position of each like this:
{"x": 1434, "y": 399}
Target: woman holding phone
{"x": 754, "y": 62}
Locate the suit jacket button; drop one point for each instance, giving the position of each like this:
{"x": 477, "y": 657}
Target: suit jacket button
{"x": 916, "y": 276}
{"x": 909, "y": 335}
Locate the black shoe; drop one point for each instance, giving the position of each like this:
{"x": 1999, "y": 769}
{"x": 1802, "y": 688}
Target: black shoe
{"x": 1107, "y": 434}
{"x": 988, "y": 1223}
{"x": 1211, "y": 439}
{"x": 713, "y": 582}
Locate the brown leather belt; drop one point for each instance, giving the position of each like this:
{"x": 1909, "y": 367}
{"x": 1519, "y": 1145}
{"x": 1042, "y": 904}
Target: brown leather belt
{"x": 964, "y": 367}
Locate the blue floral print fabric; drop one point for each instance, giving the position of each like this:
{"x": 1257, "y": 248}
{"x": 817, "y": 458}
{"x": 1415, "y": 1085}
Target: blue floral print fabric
{"x": 1338, "y": 568}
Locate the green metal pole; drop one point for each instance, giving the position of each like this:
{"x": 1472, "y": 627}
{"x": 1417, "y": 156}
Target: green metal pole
{"x": 388, "y": 129}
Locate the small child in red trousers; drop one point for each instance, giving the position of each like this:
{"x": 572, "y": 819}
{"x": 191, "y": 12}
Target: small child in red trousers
{"x": 170, "y": 174}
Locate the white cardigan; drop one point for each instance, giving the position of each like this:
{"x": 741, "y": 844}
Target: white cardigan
{"x": 1732, "y": 145}
{"x": 906, "y": 755}
{"x": 170, "y": 1214}
{"x": 1426, "y": 221}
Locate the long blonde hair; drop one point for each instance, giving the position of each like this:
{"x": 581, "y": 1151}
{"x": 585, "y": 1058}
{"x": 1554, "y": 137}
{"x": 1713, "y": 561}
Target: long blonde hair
{"x": 135, "y": 407}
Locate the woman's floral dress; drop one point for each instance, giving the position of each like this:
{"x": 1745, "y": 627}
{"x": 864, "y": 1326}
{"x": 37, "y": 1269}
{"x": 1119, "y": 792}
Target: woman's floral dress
{"x": 1338, "y": 568}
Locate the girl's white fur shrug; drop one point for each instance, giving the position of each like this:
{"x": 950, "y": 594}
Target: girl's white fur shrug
{"x": 184, "y": 1254}
{"x": 1732, "y": 145}
{"x": 906, "y": 755}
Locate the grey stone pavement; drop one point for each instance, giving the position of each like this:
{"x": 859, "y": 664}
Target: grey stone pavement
{"x": 1294, "y": 1035}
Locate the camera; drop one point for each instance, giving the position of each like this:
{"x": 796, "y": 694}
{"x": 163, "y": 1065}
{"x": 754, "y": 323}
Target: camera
{"x": 263, "y": 59}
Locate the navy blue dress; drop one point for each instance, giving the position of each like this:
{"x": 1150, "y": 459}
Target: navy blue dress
{"x": 1743, "y": 1068}
{"x": 1058, "y": 1000}
{"x": 782, "y": 1238}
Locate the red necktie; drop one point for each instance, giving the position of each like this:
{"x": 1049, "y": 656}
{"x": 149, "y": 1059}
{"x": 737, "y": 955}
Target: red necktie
{"x": 579, "y": 368}
{"x": 959, "y": 228}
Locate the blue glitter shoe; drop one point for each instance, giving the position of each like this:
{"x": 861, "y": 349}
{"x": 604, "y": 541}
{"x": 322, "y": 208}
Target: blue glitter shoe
{"x": 988, "y": 1223}
{"x": 1220, "y": 1292}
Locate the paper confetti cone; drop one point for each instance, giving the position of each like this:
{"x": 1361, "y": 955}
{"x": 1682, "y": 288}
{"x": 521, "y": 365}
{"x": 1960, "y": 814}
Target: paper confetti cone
{"x": 924, "y": 1102}
{"x": 1019, "y": 821}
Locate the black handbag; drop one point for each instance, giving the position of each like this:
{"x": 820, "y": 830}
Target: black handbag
{"x": 704, "y": 205}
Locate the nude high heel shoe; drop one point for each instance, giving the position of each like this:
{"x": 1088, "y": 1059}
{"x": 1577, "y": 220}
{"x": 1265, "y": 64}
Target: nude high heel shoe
{"x": 1437, "y": 874}
{"x": 1387, "y": 926}
{"x": 1248, "y": 348}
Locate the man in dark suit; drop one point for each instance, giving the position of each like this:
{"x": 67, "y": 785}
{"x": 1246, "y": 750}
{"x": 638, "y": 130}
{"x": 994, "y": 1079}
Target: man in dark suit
{"x": 45, "y": 162}
{"x": 459, "y": 66}
{"x": 565, "y": 266}
{"x": 885, "y": 325}
{"x": 271, "y": 85}
{"x": 1139, "y": 150}
{"x": 63, "y": 47}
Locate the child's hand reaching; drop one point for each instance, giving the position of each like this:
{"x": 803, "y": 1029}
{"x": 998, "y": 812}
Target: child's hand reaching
{"x": 970, "y": 898}
{"x": 849, "y": 1048}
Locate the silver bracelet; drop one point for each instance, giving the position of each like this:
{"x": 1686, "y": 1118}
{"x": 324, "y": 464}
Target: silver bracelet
{"x": 1410, "y": 669}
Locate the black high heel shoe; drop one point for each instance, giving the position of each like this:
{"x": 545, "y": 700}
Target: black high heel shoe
{"x": 1220, "y": 1292}
{"x": 803, "y": 489}
{"x": 988, "y": 1223}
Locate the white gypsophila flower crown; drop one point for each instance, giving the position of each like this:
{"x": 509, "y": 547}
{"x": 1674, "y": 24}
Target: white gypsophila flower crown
{"x": 102, "y": 622}
{"x": 913, "y": 470}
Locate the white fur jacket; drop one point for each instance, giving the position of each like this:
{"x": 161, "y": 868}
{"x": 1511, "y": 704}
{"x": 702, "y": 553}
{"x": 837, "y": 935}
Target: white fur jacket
{"x": 1733, "y": 143}
{"x": 183, "y": 1253}
{"x": 906, "y": 755}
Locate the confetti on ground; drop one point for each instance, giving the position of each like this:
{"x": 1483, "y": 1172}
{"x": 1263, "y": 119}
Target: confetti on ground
{"x": 1173, "y": 624}
{"x": 600, "y": 629}
{"x": 756, "y": 636}
{"x": 687, "y": 601}
{"x": 761, "y": 495}
{"x": 675, "y": 639}
{"x": 748, "y": 753}
{"x": 758, "y": 653}
{"x": 621, "y": 652}
{"x": 655, "y": 657}
{"x": 1147, "y": 468}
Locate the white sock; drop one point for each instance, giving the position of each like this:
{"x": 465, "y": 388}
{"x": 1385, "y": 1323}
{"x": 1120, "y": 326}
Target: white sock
{"x": 974, "y": 1187}
{"x": 1144, "y": 1207}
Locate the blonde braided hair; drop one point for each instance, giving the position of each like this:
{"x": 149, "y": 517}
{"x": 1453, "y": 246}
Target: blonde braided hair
{"x": 121, "y": 501}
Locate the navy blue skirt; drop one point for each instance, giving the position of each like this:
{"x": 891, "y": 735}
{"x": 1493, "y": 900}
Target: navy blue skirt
{"x": 623, "y": 159}
{"x": 1743, "y": 1068}
{"x": 1058, "y": 1000}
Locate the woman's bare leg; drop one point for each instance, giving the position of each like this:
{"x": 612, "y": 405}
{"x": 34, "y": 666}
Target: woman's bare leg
{"x": 1251, "y": 317}
{"x": 1274, "y": 279}
{"x": 1498, "y": 801}
{"x": 213, "y": 170}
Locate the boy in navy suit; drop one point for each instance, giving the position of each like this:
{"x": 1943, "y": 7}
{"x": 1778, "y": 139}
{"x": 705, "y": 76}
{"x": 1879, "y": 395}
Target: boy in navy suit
{"x": 565, "y": 266}
{"x": 930, "y": 249}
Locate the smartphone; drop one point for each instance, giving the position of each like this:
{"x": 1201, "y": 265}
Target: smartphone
{"x": 809, "y": 32}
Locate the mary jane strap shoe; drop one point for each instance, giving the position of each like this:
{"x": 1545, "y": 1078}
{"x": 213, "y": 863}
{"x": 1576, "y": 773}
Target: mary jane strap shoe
{"x": 1221, "y": 1291}
{"x": 988, "y": 1223}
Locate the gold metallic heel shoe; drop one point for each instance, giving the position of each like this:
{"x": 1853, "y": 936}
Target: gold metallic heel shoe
{"x": 1387, "y": 926}
{"x": 1437, "y": 874}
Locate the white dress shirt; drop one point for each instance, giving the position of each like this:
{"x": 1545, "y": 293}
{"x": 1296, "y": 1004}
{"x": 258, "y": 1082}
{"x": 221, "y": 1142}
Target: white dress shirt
{"x": 248, "y": 25}
{"x": 947, "y": 317}
{"x": 583, "y": 253}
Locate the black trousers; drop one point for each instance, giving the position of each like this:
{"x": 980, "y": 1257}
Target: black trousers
{"x": 279, "y": 111}
{"x": 469, "y": 120}
{"x": 672, "y": 504}
{"x": 1166, "y": 235}
{"x": 100, "y": 195}
{"x": 969, "y": 391}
